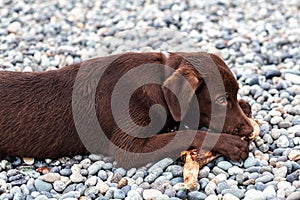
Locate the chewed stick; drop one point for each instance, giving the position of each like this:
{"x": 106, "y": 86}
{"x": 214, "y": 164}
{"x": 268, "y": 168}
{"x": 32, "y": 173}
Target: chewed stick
{"x": 195, "y": 159}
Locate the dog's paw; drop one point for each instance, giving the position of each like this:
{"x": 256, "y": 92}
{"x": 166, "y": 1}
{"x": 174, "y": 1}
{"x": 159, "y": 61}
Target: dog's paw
{"x": 232, "y": 146}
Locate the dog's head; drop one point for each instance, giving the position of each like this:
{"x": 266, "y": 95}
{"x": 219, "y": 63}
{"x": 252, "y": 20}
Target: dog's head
{"x": 194, "y": 77}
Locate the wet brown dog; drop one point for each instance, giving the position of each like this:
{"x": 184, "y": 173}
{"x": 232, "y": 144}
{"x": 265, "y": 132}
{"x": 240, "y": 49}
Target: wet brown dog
{"x": 49, "y": 114}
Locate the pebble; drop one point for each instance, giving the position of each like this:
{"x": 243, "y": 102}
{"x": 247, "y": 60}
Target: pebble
{"x": 234, "y": 191}
{"x": 235, "y": 170}
{"x": 59, "y": 186}
{"x": 76, "y": 178}
{"x": 281, "y": 172}
{"x": 133, "y": 194}
{"x": 265, "y": 178}
{"x": 282, "y": 142}
{"x": 51, "y": 177}
{"x": 151, "y": 194}
{"x": 253, "y": 194}
{"x": 160, "y": 165}
{"x": 94, "y": 168}
{"x": 229, "y": 196}
{"x": 195, "y": 195}
{"x": 250, "y": 162}
{"x": 102, "y": 187}
{"x": 294, "y": 196}
{"x": 294, "y": 155}
{"x": 295, "y": 79}
{"x": 225, "y": 165}
{"x": 41, "y": 185}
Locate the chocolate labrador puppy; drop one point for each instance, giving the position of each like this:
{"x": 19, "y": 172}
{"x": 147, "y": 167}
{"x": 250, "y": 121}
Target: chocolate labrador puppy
{"x": 105, "y": 105}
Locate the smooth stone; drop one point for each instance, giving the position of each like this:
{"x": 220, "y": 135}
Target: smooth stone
{"x": 253, "y": 194}
{"x": 234, "y": 191}
{"x": 292, "y": 177}
{"x": 131, "y": 172}
{"x": 107, "y": 166}
{"x": 268, "y": 139}
{"x": 90, "y": 191}
{"x": 217, "y": 171}
{"x": 126, "y": 189}
{"x": 250, "y": 162}
{"x": 283, "y": 185}
{"x": 281, "y": 172}
{"x": 235, "y": 170}
{"x": 91, "y": 181}
{"x": 102, "y": 175}
{"x": 269, "y": 192}
{"x": 150, "y": 194}
{"x": 276, "y": 120}
{"x": 295, "y": 79}
{"x": 102, "y": 187}
{"x": 133, "y": 194}
{"x": 86, "y": 163}
{"x": 162, "y": 164}
{"x": 93, "y": 169}
{"x": 50, "y": 177}
{"x": 294, "y": 196}
{"x": 229, "y": 196}
{"x": 119, "y": 194}
{"x": 264, "y": 148}
{"x": 176, "y": 170}
{"x": 272, "y": 73}
{"x": 282, "y": 142}
{"x": 195, "y": 195}
{"x": 275, "y": 133}
{"x": 293, "y": 129}
{"x": 225, "y": 165}
{"x": 265, "y": 178}
{"x": 204, "y": 172}
{"x": 181, "y": 194}
{"x": 41, "y": 185}
{"x": 294, "y": 155}
{"x": 170, "y": 192}
{"x": 120, "y": 171}
{"x": 65, "y": 172}
{"x": 223, "y": 185}
{"x": 210, "y": 188}
{"x": 59, "y": 186}
{"x": 95, "y": 157}
{"x": 77, "y": 178}
{"x": 151, "y": 177}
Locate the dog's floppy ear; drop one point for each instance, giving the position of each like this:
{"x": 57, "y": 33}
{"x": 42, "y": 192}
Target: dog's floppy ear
{"x": 179, "y": 89}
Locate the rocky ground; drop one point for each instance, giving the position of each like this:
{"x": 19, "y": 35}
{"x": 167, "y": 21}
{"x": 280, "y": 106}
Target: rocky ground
{"x": 259, "y": 40}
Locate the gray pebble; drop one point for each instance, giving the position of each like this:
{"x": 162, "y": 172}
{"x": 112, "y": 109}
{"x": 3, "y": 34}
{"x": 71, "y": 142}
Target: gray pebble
{"x": 254, "y": 195}
{"x": 65, "y": 172}
{"x": 161, "y": 165}
{"x": 102, "y": 174}
{"x": 265, "y": 178}
{"x": 225, "y": 165}
{"x": 282, "y": 142}
{"x": 93, "y": 169}
{"x": 59, "y": 186}
{"x": 195, "y": 195}
{"x": 176, "y": 170}
{"x": 107, "y": 166}
{"x": 234, "y": 191}
{"x": 42, "y": 185}
{"x": 250, "y": 162}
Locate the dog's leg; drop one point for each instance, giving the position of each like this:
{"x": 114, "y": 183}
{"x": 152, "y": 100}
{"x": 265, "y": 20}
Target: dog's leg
{"x": 139, "y": 151}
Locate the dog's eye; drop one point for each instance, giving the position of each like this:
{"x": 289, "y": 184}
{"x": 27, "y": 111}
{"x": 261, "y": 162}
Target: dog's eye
{"x": 222, "y": 100}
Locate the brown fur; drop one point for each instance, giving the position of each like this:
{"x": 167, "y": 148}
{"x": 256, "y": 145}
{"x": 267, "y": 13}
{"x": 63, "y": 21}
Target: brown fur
{"x": 36, "y": 117}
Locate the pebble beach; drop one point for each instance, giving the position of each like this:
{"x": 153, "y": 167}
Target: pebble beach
{"x": 260, "y": 42}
